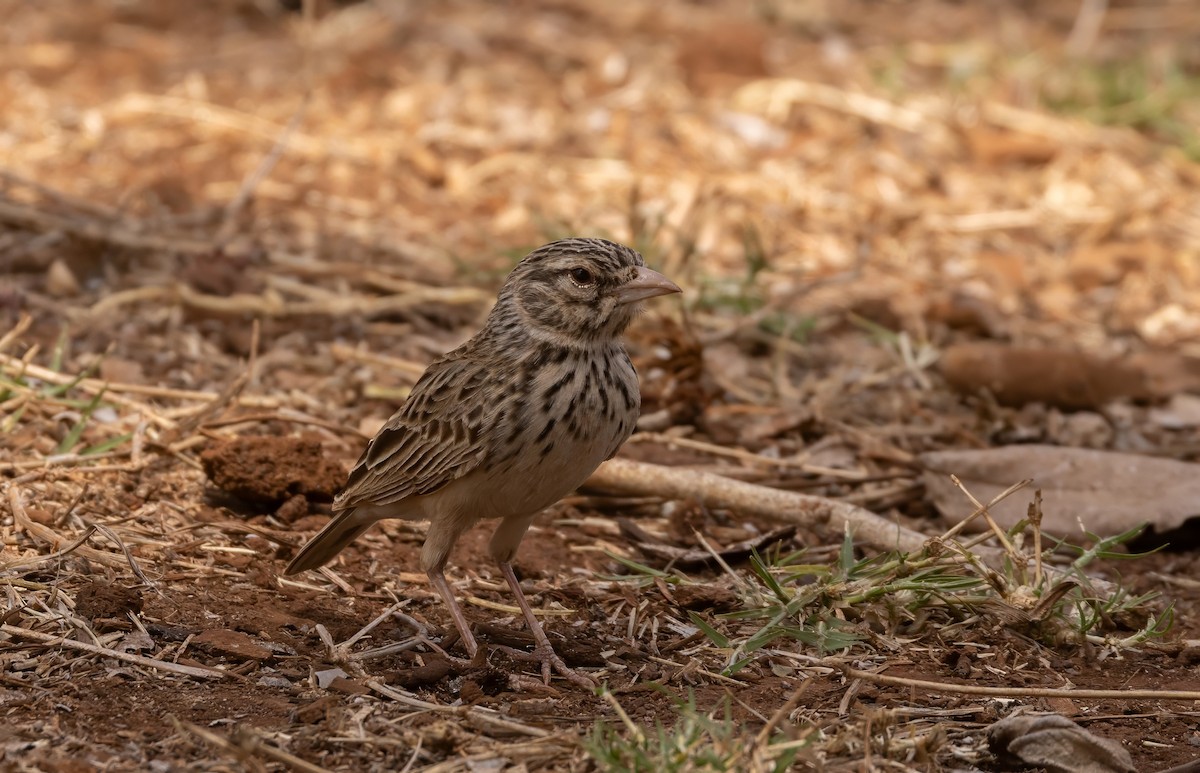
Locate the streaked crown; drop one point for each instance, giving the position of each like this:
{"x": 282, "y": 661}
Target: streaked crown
{"x": 578, "y": 292}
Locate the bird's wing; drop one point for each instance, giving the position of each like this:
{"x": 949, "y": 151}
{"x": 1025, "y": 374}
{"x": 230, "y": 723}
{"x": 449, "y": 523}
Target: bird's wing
{"x": 435, "y": 438}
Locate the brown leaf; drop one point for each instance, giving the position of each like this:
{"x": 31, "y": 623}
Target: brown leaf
{"x": 231, "y": 644}
{"x": 998, "y": 148}
{"x": 1107, "y": 492}
{"x": 1056, "y": 744}
{"x": 724, "y": 49}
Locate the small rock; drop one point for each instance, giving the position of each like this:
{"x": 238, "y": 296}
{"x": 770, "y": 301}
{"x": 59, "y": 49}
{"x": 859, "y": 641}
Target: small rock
{"x": 326, "y": 677}
{"x": 61, "y": 281}
{"x": 1182, "y": 412}
{"x": 122, "y": 370}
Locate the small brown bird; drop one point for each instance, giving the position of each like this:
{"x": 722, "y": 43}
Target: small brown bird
{"x": 508, "y": 423}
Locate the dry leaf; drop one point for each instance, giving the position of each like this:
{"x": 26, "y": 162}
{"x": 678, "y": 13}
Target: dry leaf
{"x": 1105, "y": 491}
{"x": 1055, "y": 744}
{"x": 999, "y": 148}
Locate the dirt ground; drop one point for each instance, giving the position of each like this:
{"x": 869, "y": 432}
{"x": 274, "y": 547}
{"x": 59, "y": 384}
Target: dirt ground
{"x": 232, "y": 234}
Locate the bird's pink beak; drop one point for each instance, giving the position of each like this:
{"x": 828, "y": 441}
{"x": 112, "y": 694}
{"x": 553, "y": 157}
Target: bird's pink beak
{"x": 646, "y": 283}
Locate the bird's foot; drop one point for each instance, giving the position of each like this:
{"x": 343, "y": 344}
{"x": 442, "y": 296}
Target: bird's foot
{"x": 550, "y": 662}
{"x": 477, "y": 660}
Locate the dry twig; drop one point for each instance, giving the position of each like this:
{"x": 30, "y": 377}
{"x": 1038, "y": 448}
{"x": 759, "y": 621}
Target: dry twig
{"x": 199, "y": 672}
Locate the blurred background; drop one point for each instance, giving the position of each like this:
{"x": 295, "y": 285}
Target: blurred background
{"x": 855, "y": 186}
{"x": 938, "y": 159}
{"x": 903, "y": 229}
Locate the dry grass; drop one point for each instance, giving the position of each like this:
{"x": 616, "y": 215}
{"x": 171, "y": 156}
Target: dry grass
{"x": 227, "y": 220}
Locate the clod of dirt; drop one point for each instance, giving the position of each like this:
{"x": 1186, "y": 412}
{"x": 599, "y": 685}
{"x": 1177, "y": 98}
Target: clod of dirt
{"x": 220, "y": 273}
{"x": 705, "y": 597}
{"x": 293, "y": 509}
{"x": 101, "y": 601}
{"x": 484, "y": 684}
{"x": 317, "y": 711}
{"x": 231, "y": 644}
{"x": 348, "y": 686}
{"x": 271, "y": 470}
{"x": 433, "y": 671}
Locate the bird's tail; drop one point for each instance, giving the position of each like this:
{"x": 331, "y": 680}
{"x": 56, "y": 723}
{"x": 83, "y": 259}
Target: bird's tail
{"x": 338, "y": 533}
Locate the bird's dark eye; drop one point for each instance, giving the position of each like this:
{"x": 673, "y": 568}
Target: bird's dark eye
{"x": 581, "y": 276}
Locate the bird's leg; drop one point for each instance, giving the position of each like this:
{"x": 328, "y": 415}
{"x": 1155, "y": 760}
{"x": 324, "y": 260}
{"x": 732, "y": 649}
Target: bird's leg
{"x": 544, "y": 652}
{"x": 438, "y": 580}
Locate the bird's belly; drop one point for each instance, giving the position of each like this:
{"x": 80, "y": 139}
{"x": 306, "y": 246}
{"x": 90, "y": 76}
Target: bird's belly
{"x": 529, "y": 485}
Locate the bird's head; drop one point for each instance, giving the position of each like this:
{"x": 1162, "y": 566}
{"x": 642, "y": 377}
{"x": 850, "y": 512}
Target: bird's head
{"x": 581, "y": 291}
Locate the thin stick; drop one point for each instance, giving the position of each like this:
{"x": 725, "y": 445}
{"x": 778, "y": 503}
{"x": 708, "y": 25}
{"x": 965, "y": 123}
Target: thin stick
{"x": 483, "y": 715}
{"x": 16, "y": 332}
{"x": 246, "y": 743}
{"x": 147, "y": 390}
{"x": 38, "y": 220}
{"x": 49, "y": 536}
{"x": 745, "y": 456}
{"x": 90, "y": 385}
{"x": 269, "y": 305}
{"x": 1035, "y": 523}
{"x": 782, "y": 712}
{"x": 1022, "y": 692}
{"x": 1086, "y": 30}
{"x": 717, "y": 491}
{"x": 633, "y": 729}
{"x": 984, "y": 510}
{"x": 956, "y": 528}
{"x": 285, "y": 415}
{"x": 199, "y": 672}
{"x": 24, "y": 562}
{"x": 58, "y": 197}
{"x": 260, "y": 173}
{"x": 366, "y": 629}
{"x": 511, "y": 610}
{"x": 133, "y": 565}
